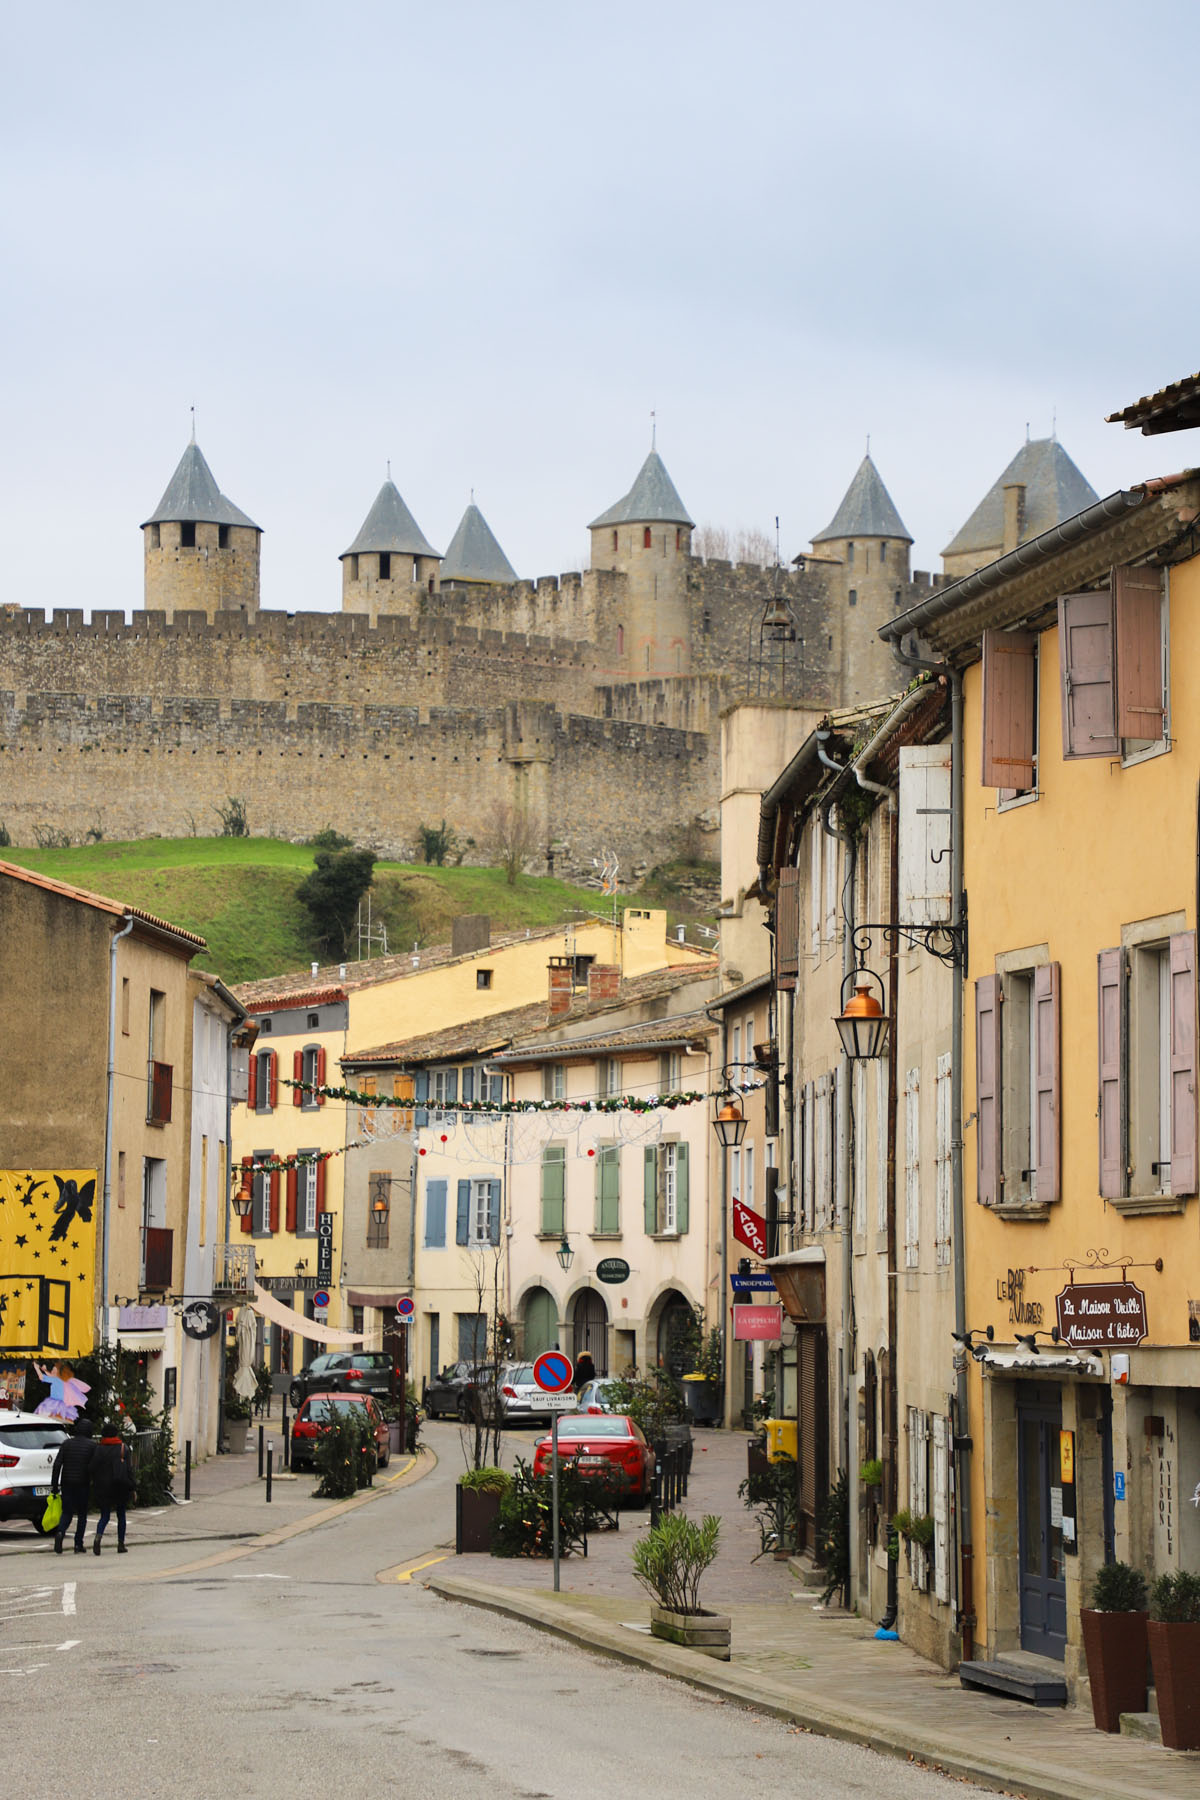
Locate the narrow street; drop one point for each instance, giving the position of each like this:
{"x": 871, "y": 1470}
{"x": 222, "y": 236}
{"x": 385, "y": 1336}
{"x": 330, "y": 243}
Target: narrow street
{"x": 297, "y": 1669}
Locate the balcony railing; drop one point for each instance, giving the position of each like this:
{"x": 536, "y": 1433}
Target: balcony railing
{"x": 158, "y": 1094}
{"x": 158, "y": 1252}
{"x": 233, "y": 1269}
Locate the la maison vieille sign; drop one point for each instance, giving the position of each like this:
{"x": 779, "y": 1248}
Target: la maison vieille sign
{"x": 1101, "y": 1315}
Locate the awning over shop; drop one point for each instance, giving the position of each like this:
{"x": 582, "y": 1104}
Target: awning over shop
{"x": 291, "y": 1320}
{"x": 800, "y": 1279}
{"x": 142, "y": 1343}
{"x": 381, "y": 1302}
{"x": 1039, "y": 1362}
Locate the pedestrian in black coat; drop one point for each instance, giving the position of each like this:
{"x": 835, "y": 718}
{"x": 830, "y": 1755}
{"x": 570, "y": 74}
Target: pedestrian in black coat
{"x": 70, "y": 1475}
{"x": 585, "y": 1371}
{"x": 112, "y": 1483}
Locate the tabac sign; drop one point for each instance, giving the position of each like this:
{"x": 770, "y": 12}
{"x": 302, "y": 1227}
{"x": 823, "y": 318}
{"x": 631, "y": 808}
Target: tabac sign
{"x": 1102, "y": 1315}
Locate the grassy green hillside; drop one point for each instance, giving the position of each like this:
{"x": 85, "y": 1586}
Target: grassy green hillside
{"x": 241, "y": 894}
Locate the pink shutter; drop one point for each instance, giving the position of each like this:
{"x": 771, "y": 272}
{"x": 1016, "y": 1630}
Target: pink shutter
{"x": 1138, "y": 603}
{"x": 787, "y": 929}
{"x": 987, "y": 1088}
{"x": 1047, "y": 1038}
{"x": 1111, "y": 965}
{"x": 1085, "y": 645}
{"x": 1009, "y": 708}
{"x": 1183, "y": 1063}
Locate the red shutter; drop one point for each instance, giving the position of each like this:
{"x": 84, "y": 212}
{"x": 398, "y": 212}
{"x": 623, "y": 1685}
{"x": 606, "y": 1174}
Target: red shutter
{"x": 787, "y": 929}
{"x": 291, "y": 1198}
{"x": 272, "y": 1080}
{"x": 987, "y": 1088}
{"x": 1111, "y": 964}
{"x": 273, "y": 1201}
{"x": 1009, "y": 708}
{"x": 1183, "y": 1063}
{"x": 297, "y": 1075}
{"x": 321, "y": 1187}
{"x": 1085, "y": 647}
{"x": 1138, "y": 597}
{"x": 252, "y": 1084}
{"x": 1047, "y": 1099}
{"x": 247, "y": 1224}
{"x": 320, "y": 1072}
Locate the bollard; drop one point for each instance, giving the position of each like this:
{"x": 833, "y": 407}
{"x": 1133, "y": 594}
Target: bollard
{"x": 262, "y": 1432}
{"x": 656, "y": 1487}
{"x": 270, "y": 1461}
{"x": 187, "y": 1470}
{"x": 685, "y": 1457}
{"x": 287, "y": 1444}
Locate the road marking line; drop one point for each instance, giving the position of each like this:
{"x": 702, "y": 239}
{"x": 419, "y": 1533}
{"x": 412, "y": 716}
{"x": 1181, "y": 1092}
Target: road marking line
{"x": 406, "y": 1571}
{"x": 68, "y": 1598}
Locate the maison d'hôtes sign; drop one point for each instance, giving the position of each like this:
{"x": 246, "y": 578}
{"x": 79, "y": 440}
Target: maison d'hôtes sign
{"x": 1101, "y": 1315}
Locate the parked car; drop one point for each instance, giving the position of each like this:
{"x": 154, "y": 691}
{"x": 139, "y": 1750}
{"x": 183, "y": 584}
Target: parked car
{"x": 314, "y": 1415}
{"x": 28, "y": 1445}
{"x": 345, "y": 1372}
{"x": 521, "y": 1399}
{"x": 599, "y": 1443}
{"x": 598, "y": 1397}
{"x": 451, "y": 1394}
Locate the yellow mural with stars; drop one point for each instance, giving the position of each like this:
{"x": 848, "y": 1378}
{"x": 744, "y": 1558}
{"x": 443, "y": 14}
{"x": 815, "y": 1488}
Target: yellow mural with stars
{"x": 48, "y": 1261}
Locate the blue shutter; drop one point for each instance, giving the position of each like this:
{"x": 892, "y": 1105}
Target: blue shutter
{"x": 468, "y": 1084}
{"x": 493, "y": 1212}
{"x": 462, "y": 1229}
{"x": 421, "y": 1095}
{"x": 435, "y": 1215}
{"x": 452, "y": 1084}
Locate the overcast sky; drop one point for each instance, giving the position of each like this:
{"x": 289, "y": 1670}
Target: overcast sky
{"x": 487, "y": 240}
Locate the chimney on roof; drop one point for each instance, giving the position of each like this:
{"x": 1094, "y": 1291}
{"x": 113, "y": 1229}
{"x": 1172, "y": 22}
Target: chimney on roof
{"x": 341, "y": 971}
{"x": 315, "y": 967}
{"x": 1014, "y": 515}
{"x": 604, "y": 982}
{"x": 472, "y": 931}
{"x": 562, "y": 973}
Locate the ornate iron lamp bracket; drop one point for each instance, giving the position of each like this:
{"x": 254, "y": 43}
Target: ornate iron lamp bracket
{"x": 947, "y": 942}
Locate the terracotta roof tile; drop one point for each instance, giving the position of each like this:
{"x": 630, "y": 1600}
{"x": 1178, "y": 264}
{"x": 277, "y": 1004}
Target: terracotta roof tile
{"x": 100, "y": 902}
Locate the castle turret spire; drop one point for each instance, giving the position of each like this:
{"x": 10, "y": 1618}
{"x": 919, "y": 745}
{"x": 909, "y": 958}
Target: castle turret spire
{"x": 200, "y": 550}
{"x": 389, "y": 558}
{"x": 474, "y": 555}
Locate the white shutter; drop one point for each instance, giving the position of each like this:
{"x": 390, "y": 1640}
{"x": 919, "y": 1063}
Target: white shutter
{"x": 941, "y": 1508}
{"x": 924, "y": 834}
{"x": 832, "y": 850}
{"x": 808, "y": 1211}
{"x": 860, "y": 1140}
{"x": 841, "y": 1174}
{"x": 814, "y": 888}
{"x": 943, "y": 1224}
{"x": 881, "y": 1142}
{"x": 824, "y": 1169}
{"x": 912, "y": 1169}
{"x": 918, "y": 1492}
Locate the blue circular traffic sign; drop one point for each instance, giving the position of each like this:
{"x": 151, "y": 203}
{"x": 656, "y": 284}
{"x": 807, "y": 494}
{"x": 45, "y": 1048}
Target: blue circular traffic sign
{"x": 553, "y": 1372}
{"x": 320, "y": 1298}
{"x": 405, "y": 1306}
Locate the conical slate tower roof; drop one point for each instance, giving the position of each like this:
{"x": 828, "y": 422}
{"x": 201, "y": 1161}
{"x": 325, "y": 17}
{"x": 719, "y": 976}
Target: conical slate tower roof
{"x": 1054, "y": 490}
{"x": 390, "y": 526}
{"x": 651, "y": 498}
{"x": 866, "y": 510}
{"x": 474, "y": 554}
{"x": 193, "y": 497}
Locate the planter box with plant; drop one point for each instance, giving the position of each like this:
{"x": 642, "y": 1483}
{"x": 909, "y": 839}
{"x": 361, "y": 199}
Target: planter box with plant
{"x": 1174, "y": 1635}
{"x": 477, "y": 1507}
{"x": 772, "y": 1493}
{"x": 1114, "y": 1640}
{"x": 669, "y": 1562}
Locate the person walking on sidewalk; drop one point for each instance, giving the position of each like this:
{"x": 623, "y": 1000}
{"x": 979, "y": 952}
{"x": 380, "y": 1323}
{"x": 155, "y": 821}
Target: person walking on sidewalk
{"x": 71, "y": 1474}
{"x": 112, "y": 1483}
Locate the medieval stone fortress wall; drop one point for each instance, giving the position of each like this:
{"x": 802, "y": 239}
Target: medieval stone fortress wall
{"x": 445, "y": 686}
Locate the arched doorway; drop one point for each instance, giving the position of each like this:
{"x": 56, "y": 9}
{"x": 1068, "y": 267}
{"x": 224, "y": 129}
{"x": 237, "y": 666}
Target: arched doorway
{"x": 591, "y": 1329}
{"x": 676, "y": 1334}
{"x": 541, "y": 1322}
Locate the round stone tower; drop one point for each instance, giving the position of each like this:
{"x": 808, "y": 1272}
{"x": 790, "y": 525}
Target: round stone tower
{"x": 865, "y": 549}
{"x": 201, "y": 552}
{"x": 647, "y": 537}
{"x": 390, "y": 561}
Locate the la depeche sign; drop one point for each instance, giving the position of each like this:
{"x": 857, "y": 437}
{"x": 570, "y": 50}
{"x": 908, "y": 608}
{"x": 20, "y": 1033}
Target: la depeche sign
{"x": 1102, "y": 1315}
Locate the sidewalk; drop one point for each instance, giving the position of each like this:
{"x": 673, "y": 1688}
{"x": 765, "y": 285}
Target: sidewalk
{"x": 820, "y": 1669}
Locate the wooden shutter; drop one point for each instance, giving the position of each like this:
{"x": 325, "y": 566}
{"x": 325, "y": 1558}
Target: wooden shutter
{"x": 451, "y": 1084}
{"x": 272, "y": 1080}
{"x": 924, "y": 835}
{"x": 273, "y": 1200}
{"x": 943, "y": 1226}
{"x": 435, "y": 1215}
{"x": 987, "y": 1088}
{"x": 1009, "y": 708}
{"x": 1137, "y": 596}
{"x": 912, "y": 1169}
{"x": 298, "y": 1075}
{"x": 787, "y": 929}
{"x": 941, "y": 1507}
{"x": 252, "y": 1085}
{"x": 468, "y": 1084}
{"x": 1111, "y": 965}
{"x": 1047, "y": 1057}
{"x": 1086, "y": 650}
{"x": 682, "y": 1198}
{"x": 650, "y": 1189}
{"x": 421, "y": 1095}
{"x": 290, "y": 1214}
{"x": 554, "y": 1189}
{"x": 320, "y": 1198}
{"x": 608, "y": 1188}
{"x": 462, "y": 1221}
{"x": 814, "y": 886}
{"x": 493, "y": 1212}
{"x": 1183, "y": 1062}
{"x": 320, "y": 1098}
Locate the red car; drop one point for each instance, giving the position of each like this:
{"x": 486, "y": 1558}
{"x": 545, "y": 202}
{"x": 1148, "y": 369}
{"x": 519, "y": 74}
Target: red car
{"x": 598, "y": 1442}
{"x": 320, "y": 1407}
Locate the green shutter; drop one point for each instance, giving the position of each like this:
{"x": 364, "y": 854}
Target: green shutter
{"x": 554, "y": 1188}
{"x": 650, "y": 1188}
{"x": 608, "y": 1188}
{"x": 681, "y": 1188}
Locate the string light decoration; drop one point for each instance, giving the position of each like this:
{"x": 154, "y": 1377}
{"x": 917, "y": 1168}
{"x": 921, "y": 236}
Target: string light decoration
{"x": 614, "y": 1103}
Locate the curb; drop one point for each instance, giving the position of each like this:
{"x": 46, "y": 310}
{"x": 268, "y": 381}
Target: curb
{"x": 948, "y": 1755}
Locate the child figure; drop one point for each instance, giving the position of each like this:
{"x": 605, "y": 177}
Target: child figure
{"x": 67, "y": 1394}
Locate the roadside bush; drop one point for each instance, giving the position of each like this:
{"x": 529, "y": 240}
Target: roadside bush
{"x": 341, "y": 1453}
{"x": 524, "y": 1527}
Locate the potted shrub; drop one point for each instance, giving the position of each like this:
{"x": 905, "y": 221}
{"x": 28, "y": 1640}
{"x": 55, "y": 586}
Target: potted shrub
{"x": 1114, "y": 1639}
{"x": 669, "y": 1562}
{"x": 703, "y": 1386}
{"x": 477, "y": 1507}
{"x": 871, "y": 1473}
{"x": 1174, "y": 1636}
{"x": 237, "y": 1423}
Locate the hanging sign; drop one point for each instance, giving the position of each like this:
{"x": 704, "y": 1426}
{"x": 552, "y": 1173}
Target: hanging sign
{"x": 324, "y": 1248}
{"x": 749, "y": 1228}
{"x": 752, "y": 1284}
{"x": 1101, "y": 1315}
{"x": 200, "y": 1319}
{"x": 757, "y": 1324}
{"x": 612, "y": 1269}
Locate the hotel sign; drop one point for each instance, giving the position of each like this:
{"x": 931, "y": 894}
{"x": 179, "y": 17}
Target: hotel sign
{"x": 1102, "y": 1315}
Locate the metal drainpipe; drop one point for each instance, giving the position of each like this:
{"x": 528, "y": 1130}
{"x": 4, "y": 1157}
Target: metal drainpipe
{"x": 108, "y": 1118}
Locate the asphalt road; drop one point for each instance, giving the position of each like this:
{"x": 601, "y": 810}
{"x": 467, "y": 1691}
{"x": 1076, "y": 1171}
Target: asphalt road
{"x": 296, "y": 1670}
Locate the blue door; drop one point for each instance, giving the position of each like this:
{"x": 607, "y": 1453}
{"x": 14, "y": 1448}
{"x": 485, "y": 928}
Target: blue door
{"x": 1039, "y": 1489}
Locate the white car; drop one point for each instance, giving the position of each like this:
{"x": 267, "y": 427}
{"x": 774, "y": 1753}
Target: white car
{"x": 521, "y": 1399}
{"x": 28, "y": 1445}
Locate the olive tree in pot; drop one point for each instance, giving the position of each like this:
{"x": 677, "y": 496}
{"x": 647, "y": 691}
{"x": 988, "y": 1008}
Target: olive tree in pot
{"x": 669, "y": 1562}
{"x": 1114, "y": 1639}
{"x": 1174, "y": 1634}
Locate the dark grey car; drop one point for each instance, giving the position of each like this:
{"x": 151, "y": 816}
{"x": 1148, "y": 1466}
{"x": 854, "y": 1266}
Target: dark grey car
{"x": 344, "y": 1372}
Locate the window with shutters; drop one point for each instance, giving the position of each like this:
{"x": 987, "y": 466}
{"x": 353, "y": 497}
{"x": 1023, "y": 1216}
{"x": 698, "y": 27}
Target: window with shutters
{"x": 307, "y": 1173}
{"x": 309, "y": 1075}
{"x": 1147, "y": 1070}
{"x": 403, "y": 1088}
{"x": 554, "y": 1190}
{"x": 481, "y": 1211}
{"x": 918, "y": 1492}
{"x": 669, "y": 1214}
{"x": 787, "y": 929}
{"x": 667, "y": 1190}
{"x": 912, "y": 1169}
{"x": 443, "y": 1091}
{"x": 941, "y": 1506}
{"x": 554, "y": 1081}
{"x": 1113, "y": 654}
{"x": 489, "y": 1087}
{"x": 608, "y": 1077}
{"x": 670, "y": 1072}
{"x": 608, "y": 1190}
{"x": 1010, "y": 714}
{"x": 1017, "y": 1081}
{"x": 264, "y": 1081}
{"x": 262, "y": 1190}
{"x": 808, "y": 1178}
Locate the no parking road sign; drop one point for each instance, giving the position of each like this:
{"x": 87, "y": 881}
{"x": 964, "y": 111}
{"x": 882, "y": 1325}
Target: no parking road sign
{"x": 553, "y": 1372}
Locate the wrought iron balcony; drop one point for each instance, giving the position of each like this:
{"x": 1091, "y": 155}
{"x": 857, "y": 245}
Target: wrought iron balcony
{"x": 233, "y": 1269}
